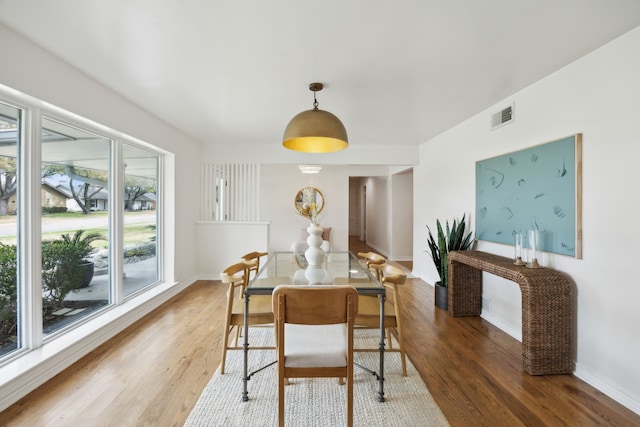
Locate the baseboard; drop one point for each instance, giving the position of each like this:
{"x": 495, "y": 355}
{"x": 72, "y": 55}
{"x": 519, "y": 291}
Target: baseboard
{"x": 26, "y": 373}
{"x": 504, "y": 327}
{"x": 620, "y": 396}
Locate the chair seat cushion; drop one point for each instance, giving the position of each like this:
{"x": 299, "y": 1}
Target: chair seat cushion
{"x": 309, "y": 346}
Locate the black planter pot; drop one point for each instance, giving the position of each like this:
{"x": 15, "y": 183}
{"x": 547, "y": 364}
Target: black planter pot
{"x": 441, "y": 296}
{"x": 87, "y": 273}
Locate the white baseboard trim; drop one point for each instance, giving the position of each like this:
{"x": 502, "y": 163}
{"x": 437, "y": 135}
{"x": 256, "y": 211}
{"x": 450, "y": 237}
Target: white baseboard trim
{"x": 26, "y": 373}
{"x": 504, "y": 327}
{"x": 620, "y": 396}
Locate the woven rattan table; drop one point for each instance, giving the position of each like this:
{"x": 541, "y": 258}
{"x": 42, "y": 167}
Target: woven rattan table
{"x": 547, "y": 306}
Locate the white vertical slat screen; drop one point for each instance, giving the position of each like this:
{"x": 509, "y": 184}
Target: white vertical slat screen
{"x": 230, "y": 192}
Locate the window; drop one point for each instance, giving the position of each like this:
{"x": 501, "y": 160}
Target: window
{"x": 75, "y": 261}
{"x": 140, "y": 219}
{"x": 96, "y": 195}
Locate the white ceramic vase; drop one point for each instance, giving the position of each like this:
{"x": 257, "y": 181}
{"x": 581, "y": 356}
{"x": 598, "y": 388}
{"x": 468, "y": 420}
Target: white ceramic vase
{"x": 314, "y": 272}
{"x": 314, "y": 254}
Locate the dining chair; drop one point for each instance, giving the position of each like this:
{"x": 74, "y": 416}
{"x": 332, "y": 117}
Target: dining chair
{"x": 236, "y": 277}
{"x": 369, "y": 310}
{"x": 371, "y": 259}
{"x": 255, "y": 255}
{"x": 314, "y": 336}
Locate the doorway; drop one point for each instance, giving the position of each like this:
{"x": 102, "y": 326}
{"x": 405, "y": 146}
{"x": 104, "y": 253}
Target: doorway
{"x": 381, "y": 213}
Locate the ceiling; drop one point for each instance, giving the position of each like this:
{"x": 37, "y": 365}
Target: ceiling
{"x": 401, "y": 72}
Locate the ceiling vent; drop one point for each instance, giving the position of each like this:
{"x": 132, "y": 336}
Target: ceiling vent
{"x": 503, "y": 117}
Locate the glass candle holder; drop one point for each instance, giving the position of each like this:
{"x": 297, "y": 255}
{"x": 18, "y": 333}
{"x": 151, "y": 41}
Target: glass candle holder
{"x": 518, "y": 249}
{"x": 533, "y": 246}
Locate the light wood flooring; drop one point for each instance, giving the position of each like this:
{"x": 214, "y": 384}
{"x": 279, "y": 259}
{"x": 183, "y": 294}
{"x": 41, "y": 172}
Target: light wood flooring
{"x": 153, "y": 373}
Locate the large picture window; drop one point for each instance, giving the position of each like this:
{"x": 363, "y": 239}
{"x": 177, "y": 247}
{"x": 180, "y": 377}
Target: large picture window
{"x": 97, "y": 199}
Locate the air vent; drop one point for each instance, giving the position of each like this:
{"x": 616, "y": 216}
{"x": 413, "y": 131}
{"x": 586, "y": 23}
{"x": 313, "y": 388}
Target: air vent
{"x": 503, "y": 117}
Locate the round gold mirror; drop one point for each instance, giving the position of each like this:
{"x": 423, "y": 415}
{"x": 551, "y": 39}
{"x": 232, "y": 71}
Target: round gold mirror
{"x": 309, "y": 198}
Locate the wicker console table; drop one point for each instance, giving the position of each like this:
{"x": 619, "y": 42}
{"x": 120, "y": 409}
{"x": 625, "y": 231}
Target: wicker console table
{"x": 547, "y": 306}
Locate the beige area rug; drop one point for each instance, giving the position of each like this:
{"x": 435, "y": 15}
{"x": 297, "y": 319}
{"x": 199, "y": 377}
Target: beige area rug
{"x": 318, "y": 401}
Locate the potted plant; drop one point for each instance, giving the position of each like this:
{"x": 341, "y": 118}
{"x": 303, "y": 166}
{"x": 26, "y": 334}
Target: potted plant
{"x": 80, "y": 248}
{"x": 449, "y": 239}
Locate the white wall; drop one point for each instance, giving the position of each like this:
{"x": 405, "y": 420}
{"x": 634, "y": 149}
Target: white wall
{"x": 402, "y": 216}
{"x": 378, "y": 213}
{"x": 598, "y": 96}
{"x": 222, "y": 243}
{"x": 361, "y": 155}
{"x": 355, "y": 207}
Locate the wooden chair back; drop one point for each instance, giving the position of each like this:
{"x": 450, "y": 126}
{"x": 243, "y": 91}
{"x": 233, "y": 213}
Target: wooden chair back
{"x": 371, "y": 259}
{"x": 298, "y": 311}
{"x": 390, "y": 275}
{"x": 251, "y": 256}
{"x": 236, "y": 276}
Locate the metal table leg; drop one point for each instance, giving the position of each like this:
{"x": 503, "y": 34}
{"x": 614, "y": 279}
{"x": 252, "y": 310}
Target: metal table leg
{"x": 245, "y": 350}
{"x": 382, "y": 298}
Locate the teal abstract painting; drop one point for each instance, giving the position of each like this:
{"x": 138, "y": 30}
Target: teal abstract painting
{"x": 538, "y": 188}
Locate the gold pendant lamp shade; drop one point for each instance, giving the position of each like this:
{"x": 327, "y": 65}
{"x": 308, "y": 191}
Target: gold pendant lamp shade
{"x": 315, "y": 131}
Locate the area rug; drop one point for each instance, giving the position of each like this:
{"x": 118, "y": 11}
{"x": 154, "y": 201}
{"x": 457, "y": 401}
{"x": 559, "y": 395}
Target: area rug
{"x": 318, "y": 401}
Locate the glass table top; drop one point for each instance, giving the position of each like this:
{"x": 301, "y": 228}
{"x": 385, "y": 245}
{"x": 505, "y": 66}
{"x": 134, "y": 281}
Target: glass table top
{"x": 289, "y": 268}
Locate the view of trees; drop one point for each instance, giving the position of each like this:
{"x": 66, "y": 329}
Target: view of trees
{"x": 8, "y": 182}
{"x": 135, "y": 188}
{"x": 91, "y": 182}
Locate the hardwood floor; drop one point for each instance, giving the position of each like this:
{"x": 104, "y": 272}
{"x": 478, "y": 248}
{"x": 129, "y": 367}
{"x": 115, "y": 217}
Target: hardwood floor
{"x": 154, "y": 372}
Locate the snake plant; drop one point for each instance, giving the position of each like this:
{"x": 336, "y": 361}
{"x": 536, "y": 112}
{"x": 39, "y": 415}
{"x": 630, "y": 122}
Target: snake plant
{"x": 449, "y": 239}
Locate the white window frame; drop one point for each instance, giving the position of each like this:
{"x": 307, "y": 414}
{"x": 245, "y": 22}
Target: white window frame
{"x": 38, "y": 358}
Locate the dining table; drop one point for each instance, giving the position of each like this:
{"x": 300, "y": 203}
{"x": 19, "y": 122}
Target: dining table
{"x": 292, "y": 268}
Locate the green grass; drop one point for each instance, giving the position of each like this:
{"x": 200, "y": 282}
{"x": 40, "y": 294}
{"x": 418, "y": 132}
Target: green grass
{"x": 74, "y": 215}
{"x": 139, "y": 233}
{"x": 133, "y": 233}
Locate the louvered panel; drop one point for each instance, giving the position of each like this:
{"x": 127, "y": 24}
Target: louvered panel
{"x": 231, "y": 192}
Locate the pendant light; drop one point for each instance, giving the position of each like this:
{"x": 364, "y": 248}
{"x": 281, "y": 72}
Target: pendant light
{"x": 315, "y": 131}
